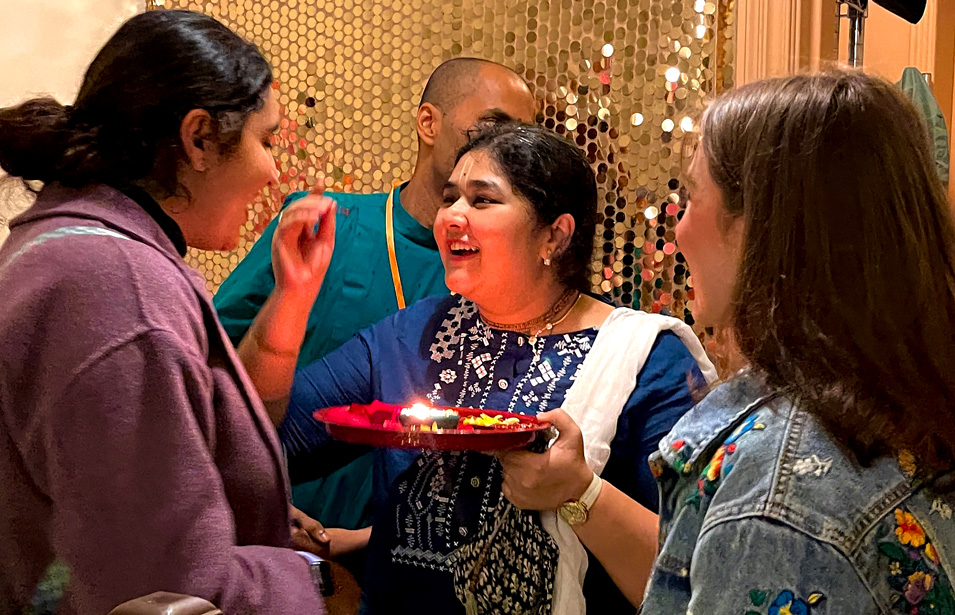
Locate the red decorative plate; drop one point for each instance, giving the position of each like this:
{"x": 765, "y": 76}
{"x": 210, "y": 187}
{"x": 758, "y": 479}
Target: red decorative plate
{"x": 378, "y": 424}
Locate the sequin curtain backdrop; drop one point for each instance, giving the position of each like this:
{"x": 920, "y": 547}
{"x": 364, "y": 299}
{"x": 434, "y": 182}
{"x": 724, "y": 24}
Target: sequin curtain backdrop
{"x": 623, "y": 78}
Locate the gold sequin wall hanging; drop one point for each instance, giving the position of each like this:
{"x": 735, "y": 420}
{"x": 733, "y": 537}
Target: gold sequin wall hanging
{"x": 624, "y": 79}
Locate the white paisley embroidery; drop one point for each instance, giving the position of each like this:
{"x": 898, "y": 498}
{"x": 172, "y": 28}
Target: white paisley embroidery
{"x": 812, "y": 465}
{"x": 942, "y": 509}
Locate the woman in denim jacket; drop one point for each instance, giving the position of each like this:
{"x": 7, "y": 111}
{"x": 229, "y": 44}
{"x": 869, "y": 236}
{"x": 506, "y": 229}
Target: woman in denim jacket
{"x": 820, "y": 478}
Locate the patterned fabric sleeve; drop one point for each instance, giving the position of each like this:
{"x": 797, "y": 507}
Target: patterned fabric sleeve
{"x": 342, "y": 377}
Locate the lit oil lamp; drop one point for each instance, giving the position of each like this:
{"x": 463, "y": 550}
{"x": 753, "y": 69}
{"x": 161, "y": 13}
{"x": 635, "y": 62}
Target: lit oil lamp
{"x": 420, "y": 416}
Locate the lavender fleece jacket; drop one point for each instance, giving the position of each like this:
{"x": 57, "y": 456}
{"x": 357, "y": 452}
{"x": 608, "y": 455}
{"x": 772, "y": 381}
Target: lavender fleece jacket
{"x": 133, "y": 447}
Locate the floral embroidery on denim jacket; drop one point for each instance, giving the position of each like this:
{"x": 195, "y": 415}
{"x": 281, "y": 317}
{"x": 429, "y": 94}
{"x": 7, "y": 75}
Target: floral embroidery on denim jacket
{"x": 681, "y": 461}
{"x": 722, "y": 463}
{"x": 915, "y": 572}
{"x": 786, "y": 603}
{"x": 795, "y": 517}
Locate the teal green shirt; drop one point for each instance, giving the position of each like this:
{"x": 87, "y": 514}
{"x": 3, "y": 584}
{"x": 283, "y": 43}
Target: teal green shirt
{"x": 358, "y": 290}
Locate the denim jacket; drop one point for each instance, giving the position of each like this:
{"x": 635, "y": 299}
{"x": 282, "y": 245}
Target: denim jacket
{"x": 762, "y": 512}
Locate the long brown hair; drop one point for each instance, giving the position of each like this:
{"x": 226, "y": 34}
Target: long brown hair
{"x": 845, "y": 297}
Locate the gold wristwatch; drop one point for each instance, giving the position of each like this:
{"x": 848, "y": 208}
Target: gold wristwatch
{"x": 575, "y": 512}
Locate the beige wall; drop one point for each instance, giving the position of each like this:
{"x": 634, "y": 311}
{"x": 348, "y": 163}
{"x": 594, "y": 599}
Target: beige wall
{"x": 782, "y": 37}
{"x": 45, "y": 47}
{"x": 892, "y": 44}
{"x": 945, "y": 77}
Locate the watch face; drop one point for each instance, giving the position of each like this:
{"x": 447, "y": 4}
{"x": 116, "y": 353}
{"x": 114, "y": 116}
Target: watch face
{"x": 574, "y": 513}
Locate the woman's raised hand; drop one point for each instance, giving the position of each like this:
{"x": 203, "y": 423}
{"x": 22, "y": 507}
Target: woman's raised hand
{"x": 300, "y": 251}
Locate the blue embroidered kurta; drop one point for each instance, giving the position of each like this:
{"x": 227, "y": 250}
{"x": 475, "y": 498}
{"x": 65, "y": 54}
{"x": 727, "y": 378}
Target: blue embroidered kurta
{"x": 429, "y": 505}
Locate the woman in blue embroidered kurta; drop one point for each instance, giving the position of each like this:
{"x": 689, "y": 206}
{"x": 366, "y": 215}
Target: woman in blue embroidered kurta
{"x": 403, "y": 359}
{"x": 437, "y": 511}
